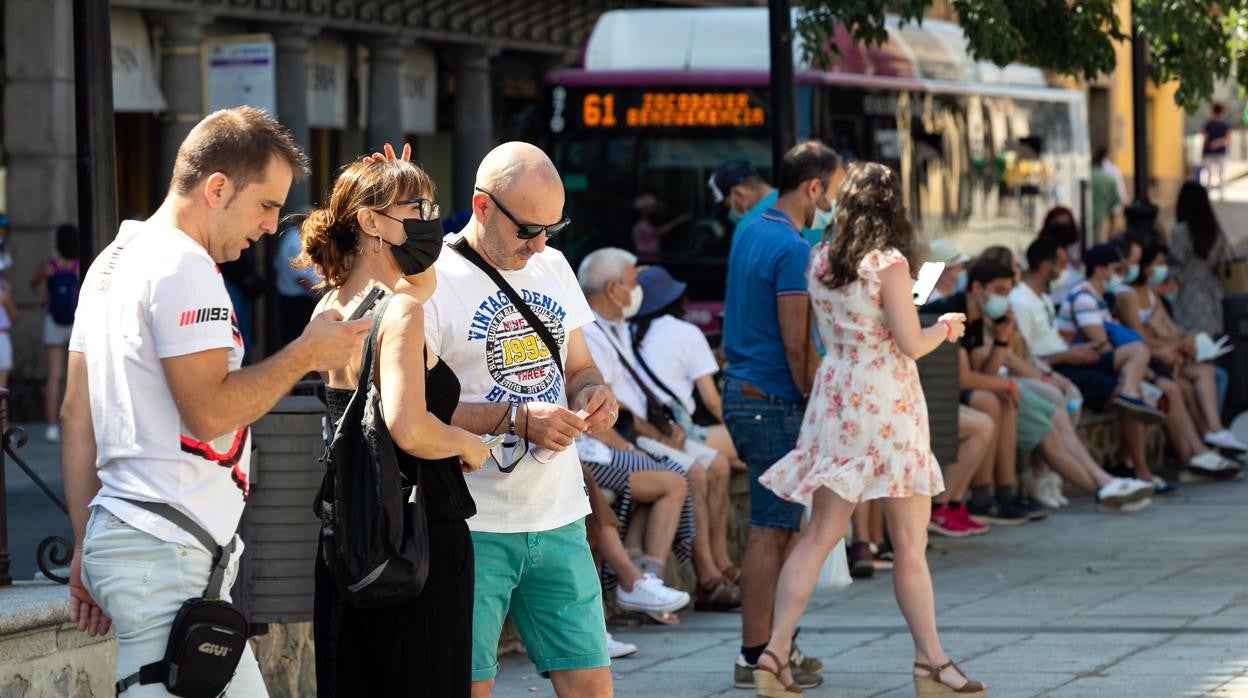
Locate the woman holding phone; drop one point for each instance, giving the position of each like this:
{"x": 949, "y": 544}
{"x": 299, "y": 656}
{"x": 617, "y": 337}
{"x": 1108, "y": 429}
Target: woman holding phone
{"x": 865, "y": 433}
{"x": 381, "y": 230}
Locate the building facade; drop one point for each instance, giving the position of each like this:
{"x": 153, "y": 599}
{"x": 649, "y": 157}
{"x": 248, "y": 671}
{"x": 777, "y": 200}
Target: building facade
{"x": 451, "y": 77}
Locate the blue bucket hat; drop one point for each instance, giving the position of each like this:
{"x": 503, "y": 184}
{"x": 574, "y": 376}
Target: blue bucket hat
{"x": 658, "y": 290}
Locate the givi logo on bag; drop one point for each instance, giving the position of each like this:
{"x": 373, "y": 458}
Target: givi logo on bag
{"x": 215, "y": 650}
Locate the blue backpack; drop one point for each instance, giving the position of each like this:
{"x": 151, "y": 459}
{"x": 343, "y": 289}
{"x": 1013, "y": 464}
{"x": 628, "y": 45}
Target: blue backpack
{"x": 63, "y": 293}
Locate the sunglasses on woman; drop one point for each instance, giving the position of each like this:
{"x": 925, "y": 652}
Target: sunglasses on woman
{"x": 528, "y": 231}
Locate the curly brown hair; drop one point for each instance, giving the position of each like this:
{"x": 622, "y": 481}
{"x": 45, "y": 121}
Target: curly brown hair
{"x": 869, "y": 216}
{"x": 330, "y": 235}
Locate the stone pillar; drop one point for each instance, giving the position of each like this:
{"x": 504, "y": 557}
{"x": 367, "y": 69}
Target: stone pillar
{"x": 385, "y": 110}
{"x": 41, "y": 184}
{"x": 181, "y": 79}
{"x": 474, "y": 119}
{"x": 292, "y": 98}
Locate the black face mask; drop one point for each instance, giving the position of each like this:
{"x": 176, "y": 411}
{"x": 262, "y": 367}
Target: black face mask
{"x": 421, "y": 248}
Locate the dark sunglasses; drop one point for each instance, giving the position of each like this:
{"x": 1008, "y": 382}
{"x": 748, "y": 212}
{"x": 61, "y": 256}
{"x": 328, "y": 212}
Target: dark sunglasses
{"x": 528, "y": 231}
{"x": 508, "y": 454}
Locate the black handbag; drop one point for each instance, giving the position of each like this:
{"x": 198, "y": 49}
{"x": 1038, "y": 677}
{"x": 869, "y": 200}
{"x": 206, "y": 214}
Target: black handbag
{"x": 208, "y": 635}
{"x": 377, "y": 543}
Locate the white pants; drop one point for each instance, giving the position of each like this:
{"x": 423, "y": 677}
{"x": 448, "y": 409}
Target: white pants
{"x": 1214, "y": 165}
{"x": 140, "y": 582}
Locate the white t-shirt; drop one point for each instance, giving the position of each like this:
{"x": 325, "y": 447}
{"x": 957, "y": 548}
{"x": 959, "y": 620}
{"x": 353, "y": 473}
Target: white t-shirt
{"x": 152, "y": 294}
{"x": 679, "y": 355}
{"x": 1036, "y": 321}
{"x": 603, "y": 337}
{"x": 473, "y": 327}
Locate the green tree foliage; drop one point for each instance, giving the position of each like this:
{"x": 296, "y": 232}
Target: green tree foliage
{"x": 1196, "y": 42}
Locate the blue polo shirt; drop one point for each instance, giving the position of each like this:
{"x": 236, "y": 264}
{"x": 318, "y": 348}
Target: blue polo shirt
{"x": 768, "y": 259}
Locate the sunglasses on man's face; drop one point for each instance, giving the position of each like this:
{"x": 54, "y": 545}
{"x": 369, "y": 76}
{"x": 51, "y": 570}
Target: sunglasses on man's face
{"x": 528, "y": 231}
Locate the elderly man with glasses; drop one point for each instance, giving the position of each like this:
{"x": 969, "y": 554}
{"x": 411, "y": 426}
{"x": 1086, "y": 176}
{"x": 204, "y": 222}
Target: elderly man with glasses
{"x": 526, "y": 375}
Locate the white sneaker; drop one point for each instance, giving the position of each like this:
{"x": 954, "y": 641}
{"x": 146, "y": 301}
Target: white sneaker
{"x": 1057, "y": 484}
{"x": 651, "y": 595}
{"x": 1042, "y": 491}
{"x": 1225, "y": 439}
{"x": 1211, "y": 463}
{"x": 53, "y": 434}
{"x": 1121, "y": 491}
{"x": 617, "y": 649}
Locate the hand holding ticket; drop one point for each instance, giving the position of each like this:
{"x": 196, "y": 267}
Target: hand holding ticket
{"x": 546, "y": 455}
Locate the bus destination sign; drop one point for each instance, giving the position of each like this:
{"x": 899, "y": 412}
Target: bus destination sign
{"x": 643, "y": 108}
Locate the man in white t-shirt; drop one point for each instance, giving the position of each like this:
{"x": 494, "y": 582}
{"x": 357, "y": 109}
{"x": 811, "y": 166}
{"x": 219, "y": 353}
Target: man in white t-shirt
{"x": 531, "y": 556}
{"x": 156, "y": 407}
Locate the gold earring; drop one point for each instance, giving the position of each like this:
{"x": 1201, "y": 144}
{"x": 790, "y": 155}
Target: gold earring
{"x": 377, "y": 249}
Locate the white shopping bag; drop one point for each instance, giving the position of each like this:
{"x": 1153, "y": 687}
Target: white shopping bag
{"x": 834, "y": 574}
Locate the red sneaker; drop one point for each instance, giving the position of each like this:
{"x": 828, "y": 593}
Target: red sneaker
{"x": 973, "y": 527}
{"x": 945, "y": 522}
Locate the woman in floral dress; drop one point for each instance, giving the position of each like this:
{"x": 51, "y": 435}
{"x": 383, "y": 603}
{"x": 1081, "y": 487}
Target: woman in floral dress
{"x": 865, "y": 434}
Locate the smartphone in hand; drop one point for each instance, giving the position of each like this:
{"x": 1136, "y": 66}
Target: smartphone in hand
{"x": 929, "y": 274}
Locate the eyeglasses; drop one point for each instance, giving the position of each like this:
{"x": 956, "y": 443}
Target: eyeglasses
{"x": 528, "y": 231}
{"x": 428, "y": 210}
{"x": 508, "y": 453}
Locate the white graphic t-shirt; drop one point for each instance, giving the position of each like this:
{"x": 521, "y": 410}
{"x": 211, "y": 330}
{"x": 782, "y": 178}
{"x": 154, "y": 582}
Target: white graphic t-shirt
{"x": 152, "y": 294}
{"x": 498, "y": 358}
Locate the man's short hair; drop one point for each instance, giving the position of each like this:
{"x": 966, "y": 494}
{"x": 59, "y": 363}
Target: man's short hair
{"x": 986, "y": 271}
{"x": 238, "y": 143}
{"x": 1041, "y": 250}
{"x": 603, "y": 266}
{"x": 804, "y": 162}
{"x": 1102, "y": 255}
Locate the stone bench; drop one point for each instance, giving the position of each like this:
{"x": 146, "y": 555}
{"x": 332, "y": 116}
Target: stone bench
{"x": 41, "y": 654}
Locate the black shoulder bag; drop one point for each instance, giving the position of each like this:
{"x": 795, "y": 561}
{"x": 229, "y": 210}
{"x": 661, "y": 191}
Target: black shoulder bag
{"x": 378, "y": 550}
{"x": 548, "y": 338}
{"x": 208, "y": 634}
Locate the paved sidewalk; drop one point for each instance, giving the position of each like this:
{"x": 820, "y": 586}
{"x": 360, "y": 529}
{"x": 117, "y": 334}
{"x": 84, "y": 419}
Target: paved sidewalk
{"x": 1151, "y": 605}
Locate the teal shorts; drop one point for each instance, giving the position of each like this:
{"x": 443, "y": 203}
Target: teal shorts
{"x": 547, "y": 583}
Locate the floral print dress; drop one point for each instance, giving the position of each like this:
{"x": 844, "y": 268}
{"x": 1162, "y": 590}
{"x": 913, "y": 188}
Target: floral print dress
{"x": 865, "y": 433}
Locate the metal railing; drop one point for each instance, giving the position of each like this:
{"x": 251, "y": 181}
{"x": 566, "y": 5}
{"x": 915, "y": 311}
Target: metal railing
{"x": 52, "y": 551}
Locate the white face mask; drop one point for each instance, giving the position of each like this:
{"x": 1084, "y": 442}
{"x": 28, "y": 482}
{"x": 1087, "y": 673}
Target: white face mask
{"x": 822, "y": 219}
{"x": 634, "y": 303}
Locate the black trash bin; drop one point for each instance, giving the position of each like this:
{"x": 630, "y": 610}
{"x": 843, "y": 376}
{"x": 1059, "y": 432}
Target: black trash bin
{"x": 938, "y": 374}
{"x": 275, "y": 580}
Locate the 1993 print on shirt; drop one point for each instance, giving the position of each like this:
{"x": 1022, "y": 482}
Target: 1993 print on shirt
{"x": 472, "y": 325}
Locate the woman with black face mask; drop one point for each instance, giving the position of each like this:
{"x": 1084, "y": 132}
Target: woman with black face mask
{"x": 381, "y": 229}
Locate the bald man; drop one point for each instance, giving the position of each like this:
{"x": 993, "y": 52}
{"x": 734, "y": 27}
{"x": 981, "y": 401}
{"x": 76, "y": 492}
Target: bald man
{"x": 528, "y": 536}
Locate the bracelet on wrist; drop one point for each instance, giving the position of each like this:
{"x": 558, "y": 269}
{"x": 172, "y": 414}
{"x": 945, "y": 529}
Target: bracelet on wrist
{"x": 948, "y": 330}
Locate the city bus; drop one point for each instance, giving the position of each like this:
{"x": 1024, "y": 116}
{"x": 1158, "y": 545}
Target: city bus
{"x": 662, "y": 97}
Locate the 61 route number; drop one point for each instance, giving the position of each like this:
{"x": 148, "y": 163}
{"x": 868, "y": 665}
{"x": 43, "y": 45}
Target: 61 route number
{"x": 598, "y": 110}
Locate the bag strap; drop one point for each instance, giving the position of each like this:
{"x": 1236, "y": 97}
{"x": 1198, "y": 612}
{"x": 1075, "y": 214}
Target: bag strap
{"x": 651, "y": 398}
{"x": 368, "y": 362}
{"x": 221, "y": 555}
{"x": 641, "y": 361}
{"x": 462, "y": 247}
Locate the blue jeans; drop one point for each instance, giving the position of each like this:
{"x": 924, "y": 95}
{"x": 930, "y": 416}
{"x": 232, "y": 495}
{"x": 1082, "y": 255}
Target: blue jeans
{"x": 764, "y": 428}
{"x": 1223, "y": 379}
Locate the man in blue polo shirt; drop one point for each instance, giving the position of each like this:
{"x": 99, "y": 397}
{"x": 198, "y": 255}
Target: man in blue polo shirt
{"x": 771, "y": 361}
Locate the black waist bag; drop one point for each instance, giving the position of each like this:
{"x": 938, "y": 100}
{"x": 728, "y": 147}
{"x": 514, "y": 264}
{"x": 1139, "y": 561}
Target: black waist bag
{"x": 208, "y": 635}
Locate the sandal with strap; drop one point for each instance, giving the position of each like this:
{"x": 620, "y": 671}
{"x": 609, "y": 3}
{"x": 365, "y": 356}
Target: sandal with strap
{"x": 931, "y": 686}
{"x": 768, "y": 684}
{"x": 732, "y": 573}
{"x": 717, "y": 595}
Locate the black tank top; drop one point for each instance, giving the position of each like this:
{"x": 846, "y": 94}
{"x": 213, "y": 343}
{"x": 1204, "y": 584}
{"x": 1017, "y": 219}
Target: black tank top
{"x": 446, "y": 494}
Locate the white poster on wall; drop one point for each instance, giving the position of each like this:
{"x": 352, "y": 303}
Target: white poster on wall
{"x": 135, "y": 87}
{"x": 418, "y": 90}
{"x": 238, "y": 71}
{"x": 327, "y": 84}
